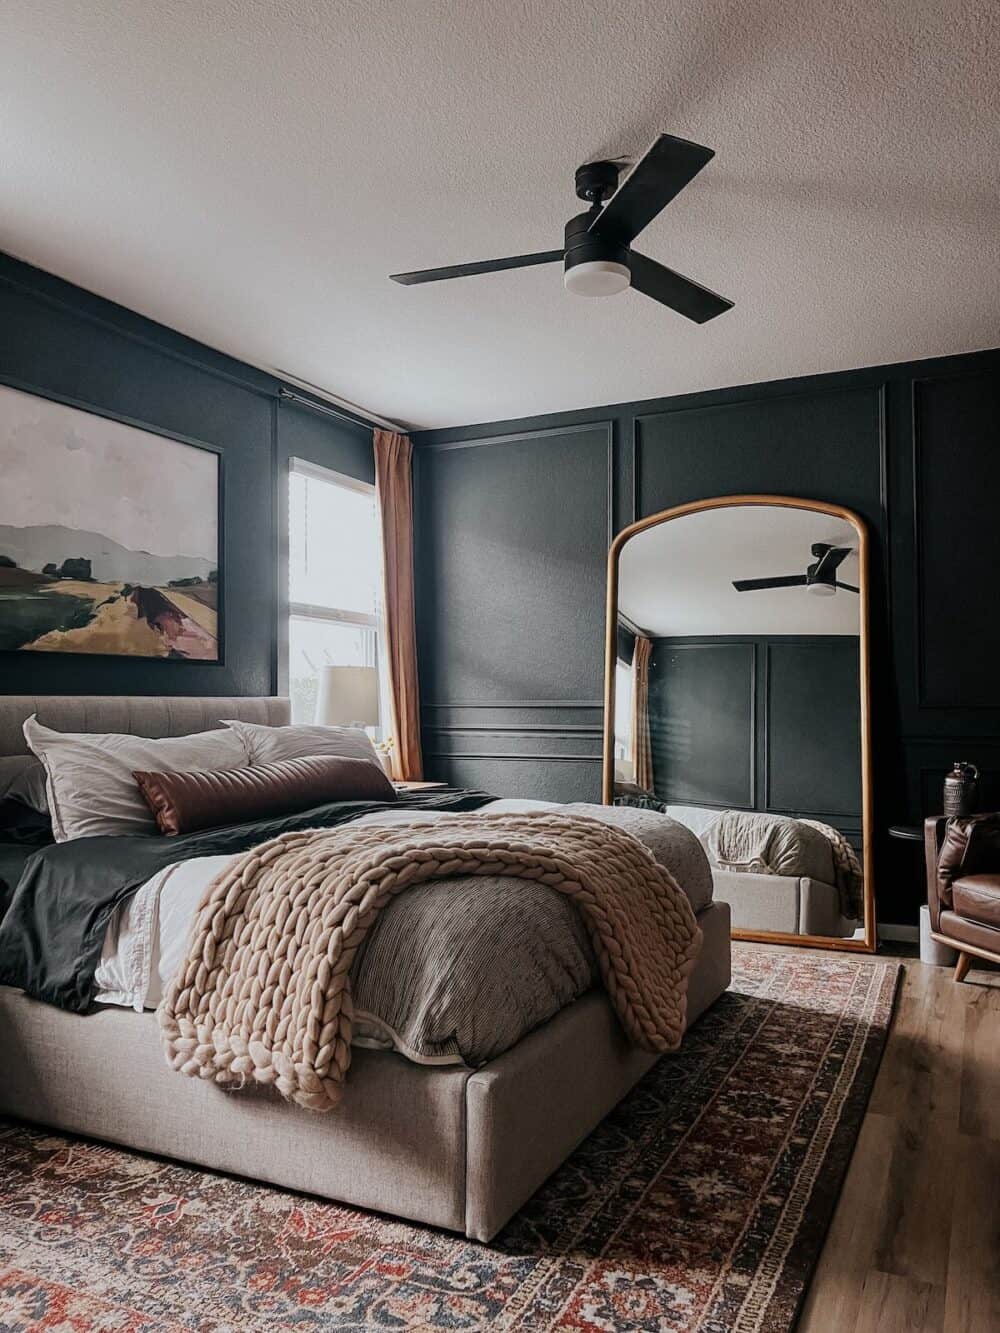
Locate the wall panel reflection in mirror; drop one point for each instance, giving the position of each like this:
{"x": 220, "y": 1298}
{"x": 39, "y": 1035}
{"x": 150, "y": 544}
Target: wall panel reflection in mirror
{"x": 737, "y": 696}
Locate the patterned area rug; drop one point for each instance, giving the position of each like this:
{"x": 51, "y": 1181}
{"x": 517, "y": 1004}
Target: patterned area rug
{"x": 700, "y": 1204}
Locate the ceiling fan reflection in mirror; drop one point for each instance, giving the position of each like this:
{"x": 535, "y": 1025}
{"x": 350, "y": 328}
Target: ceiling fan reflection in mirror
{"x": 820, "y": 577}
{"x": 597, "y": 256}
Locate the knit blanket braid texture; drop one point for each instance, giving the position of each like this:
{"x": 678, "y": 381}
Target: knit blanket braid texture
{"x": 264, "y": 992}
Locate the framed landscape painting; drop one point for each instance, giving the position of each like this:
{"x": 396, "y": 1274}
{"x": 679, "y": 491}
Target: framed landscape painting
{"x": 109, "y": 536}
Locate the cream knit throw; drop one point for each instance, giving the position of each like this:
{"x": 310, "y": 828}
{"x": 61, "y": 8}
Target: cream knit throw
{"x": 265, "y": 991}
{"x": 848, "y": 877}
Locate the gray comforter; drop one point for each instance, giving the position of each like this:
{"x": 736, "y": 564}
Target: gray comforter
{"x": 458, "y": 971}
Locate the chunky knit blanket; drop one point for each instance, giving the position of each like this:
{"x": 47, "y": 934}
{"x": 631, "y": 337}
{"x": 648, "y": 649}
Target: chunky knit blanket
{"x": 264, "y": 993}
{"x": 848, "y": 877}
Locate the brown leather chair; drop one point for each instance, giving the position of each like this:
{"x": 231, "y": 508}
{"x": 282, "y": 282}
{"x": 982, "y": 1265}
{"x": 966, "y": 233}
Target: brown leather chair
{"x": 963, "y": 886}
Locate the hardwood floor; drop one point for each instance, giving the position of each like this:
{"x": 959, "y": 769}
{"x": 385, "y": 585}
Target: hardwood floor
{"x": 915, "y": 1241}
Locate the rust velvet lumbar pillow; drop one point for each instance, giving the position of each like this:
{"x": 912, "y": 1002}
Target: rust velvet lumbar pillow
{"x": 184, "y": 802}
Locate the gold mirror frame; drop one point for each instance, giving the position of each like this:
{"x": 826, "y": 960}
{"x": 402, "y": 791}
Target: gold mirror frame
{"x": 870, "y": 941}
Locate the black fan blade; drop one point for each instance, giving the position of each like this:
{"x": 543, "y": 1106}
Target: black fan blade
{"x": 789, "y": 581}
{"x": 847, "y": 587}
{"x": 651, "y": 184}
{"x": 674, "y": 290}
{"x": 829, "y": 560}
{"x": 470, "y": 270}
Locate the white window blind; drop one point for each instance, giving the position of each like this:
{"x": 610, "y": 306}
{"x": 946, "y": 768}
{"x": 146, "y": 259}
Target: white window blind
{"x": 334, "y": 576}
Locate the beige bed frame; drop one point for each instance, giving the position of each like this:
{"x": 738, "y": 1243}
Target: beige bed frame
{"x": 786, "y": 904}
{"x": 452, "y": 1147}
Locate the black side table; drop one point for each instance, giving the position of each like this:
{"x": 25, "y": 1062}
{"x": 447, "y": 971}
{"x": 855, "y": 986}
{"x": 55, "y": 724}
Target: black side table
{"x": 907, "y": 832}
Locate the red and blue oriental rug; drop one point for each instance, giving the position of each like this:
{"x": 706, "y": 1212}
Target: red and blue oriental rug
{"x": 700, "y": 1204}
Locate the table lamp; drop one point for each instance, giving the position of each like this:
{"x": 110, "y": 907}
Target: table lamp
{"x": 348, "y": 696}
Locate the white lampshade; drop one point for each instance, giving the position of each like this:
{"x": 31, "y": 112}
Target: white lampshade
{"x": 348, "y": 697}
{"x": 597, "y": 277}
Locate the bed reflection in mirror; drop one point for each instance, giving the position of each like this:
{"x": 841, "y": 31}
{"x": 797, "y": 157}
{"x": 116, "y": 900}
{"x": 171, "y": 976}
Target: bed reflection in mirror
{"x": 737, "y": 696}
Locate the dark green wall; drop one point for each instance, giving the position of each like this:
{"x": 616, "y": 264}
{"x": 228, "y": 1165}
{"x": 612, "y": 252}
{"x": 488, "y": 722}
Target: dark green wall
{"x": 58, "y": 340}
{"x": 513, "y": 526}
{"x": 771, "y": 722}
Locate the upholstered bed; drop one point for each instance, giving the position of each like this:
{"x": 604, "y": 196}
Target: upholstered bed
{"x": 777, "y": 873}
{"x": 449, "y": 1145}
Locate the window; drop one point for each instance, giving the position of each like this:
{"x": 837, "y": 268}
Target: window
{"x": 623, "y": 710}
{"x": 334, "y": 577}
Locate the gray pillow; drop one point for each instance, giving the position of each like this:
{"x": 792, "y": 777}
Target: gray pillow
{"x": 270, "y": 745}
{"x": 89, "y": 777}
{"x": 22, "y": 778}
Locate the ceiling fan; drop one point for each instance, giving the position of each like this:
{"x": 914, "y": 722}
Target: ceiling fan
{"x": 597, "y": 255}
{"x": 820, "y": 577}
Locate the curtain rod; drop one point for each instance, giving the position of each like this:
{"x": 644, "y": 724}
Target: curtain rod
{"x": 329, "y": 405}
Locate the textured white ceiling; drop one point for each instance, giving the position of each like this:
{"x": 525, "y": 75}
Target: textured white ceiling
{"x": 249, "y": 171}
{"x": 676, "y": 578}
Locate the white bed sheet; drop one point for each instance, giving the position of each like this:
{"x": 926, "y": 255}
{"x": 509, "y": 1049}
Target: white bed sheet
{"x": 146, "y": 942}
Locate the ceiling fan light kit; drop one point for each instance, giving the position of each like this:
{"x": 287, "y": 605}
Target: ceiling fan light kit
{"x": 596, "y": 277}
{"x": 593, "y": 265}
{"x": 597, "y": 256}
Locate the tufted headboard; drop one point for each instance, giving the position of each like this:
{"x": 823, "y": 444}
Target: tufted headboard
{"x": 134, "y": 714}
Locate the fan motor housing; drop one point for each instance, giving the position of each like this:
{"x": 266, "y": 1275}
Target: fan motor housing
{"x": 582, "y": 247}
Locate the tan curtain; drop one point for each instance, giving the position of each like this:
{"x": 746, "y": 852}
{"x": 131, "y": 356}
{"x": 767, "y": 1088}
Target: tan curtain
{"x": 642, "y": 752}
{"x": 394, "y": 490}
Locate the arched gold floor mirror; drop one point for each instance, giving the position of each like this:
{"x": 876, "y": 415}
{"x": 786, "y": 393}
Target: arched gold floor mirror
{"x": 737, "y": 701}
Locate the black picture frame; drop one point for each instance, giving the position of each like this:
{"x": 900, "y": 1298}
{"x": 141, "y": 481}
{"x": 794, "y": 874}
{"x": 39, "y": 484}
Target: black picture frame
{"x": 151, "y": 428}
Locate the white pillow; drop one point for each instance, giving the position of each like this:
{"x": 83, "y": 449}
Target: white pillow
{"x": 89, "y": 780}
{"x": 269, "y": 745}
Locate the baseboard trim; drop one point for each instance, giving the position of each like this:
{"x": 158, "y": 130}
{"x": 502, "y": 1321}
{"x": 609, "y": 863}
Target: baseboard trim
{"x": 904, "y": 934}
